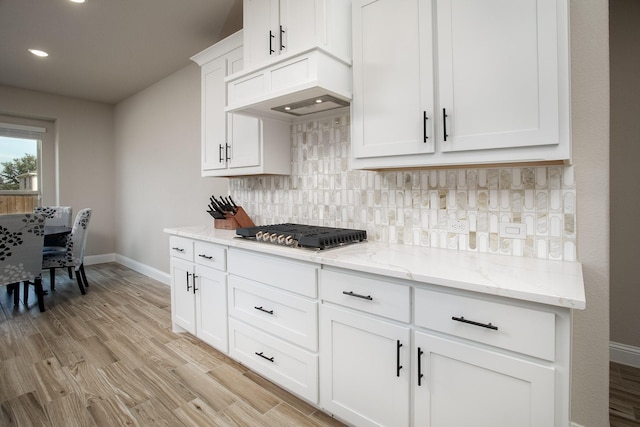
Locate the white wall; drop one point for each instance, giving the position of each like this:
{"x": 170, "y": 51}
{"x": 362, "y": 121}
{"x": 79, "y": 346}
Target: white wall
{"x": 158, "y": 182}
{"x": 84, "y": 146}
{"x": 590, "y": 116}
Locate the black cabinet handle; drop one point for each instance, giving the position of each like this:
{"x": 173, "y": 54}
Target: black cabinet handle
{"x": 178, "y": 249}
{"x": 226, "y": 152}
{"x": 271, "y": 37}
{"x": 188, "y": 286}
{"x": 471, "y": 322}
{"x": 194, "y": 284}
{"x": 398, "y": 365}
{"x": 424, "y": 125}
{"x": 205, "y": 256}
{"x": 281, "y": 33}
{"x": 261, "y": 354}
{"x": 444, "y": 122}
{"x": 220, "y": 153}
{"x": 351, "y": 294}
{"x": 263, "y": 310}
{"x": 420, "y": 374}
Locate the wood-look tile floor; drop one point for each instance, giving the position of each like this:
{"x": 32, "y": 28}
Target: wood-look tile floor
{"x": 109, "y": 358}
{"x": 624, "y": 395}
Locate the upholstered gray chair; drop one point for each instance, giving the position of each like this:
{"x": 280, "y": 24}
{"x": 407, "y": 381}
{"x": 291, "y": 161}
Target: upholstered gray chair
{"x": 72, "y": 254}
{"x": 21, "y": 240}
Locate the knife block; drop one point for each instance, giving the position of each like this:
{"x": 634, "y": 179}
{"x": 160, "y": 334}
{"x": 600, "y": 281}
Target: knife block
{"x": 232, "y": 221}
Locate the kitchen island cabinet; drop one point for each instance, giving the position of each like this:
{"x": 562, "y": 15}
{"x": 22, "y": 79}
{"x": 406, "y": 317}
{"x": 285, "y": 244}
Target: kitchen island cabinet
{"x": 465, "y": 83}
{"x": 381, "y": 334}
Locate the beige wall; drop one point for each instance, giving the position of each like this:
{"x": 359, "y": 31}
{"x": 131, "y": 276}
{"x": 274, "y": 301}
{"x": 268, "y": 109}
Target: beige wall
{"x": 625, "y": 183}
{"x": 158, "y": 182}
{"x": 590, "y": 126}
{"x": 84, "y": 147}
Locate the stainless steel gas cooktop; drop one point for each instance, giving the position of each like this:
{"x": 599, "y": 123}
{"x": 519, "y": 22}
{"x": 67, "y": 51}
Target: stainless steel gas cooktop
{"x": 305, "y": 236}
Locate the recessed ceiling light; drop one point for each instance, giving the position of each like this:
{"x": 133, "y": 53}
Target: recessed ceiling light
{"x": 38, "y": 52}
{"x": 78, "y": 1}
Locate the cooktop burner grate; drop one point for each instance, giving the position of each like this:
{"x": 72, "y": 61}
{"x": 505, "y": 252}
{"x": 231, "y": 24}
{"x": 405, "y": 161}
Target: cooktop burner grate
{"x": 300, "y": 235}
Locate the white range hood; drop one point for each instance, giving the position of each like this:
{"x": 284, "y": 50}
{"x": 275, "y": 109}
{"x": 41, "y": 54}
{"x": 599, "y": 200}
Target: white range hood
{"x": 306, "y": 83}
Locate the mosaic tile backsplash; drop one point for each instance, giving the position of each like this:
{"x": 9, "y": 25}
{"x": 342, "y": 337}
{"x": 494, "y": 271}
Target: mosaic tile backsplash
{"x": 415, "y": 207}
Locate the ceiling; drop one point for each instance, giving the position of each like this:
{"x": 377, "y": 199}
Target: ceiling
{"x": 106, "y": 50}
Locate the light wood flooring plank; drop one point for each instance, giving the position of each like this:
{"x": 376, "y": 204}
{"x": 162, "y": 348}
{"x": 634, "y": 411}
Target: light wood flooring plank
{"x": 110, "y": 358}
{"x": 24, "y": 410}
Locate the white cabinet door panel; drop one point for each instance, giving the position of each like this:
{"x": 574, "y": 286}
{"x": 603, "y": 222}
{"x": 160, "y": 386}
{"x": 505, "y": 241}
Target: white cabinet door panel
{"x": 393, "y": 78}
{"x": 211, "y": 307}
{"x": 360, "y": 379}
{"x": 498, "y": 73}
{"x": 183, "y": 309}
{"x": 467, "y": 386}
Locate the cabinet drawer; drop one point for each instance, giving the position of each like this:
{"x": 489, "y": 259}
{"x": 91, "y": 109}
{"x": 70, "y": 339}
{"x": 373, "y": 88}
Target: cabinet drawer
{"x": 285, "y": 315}
{"x": 286, "y": 364}
{"x": 293, "y": 276}
{"x": 519, "y": 329}
{"x": 371, "y": 295}
{"x": 211, "y": 255}
{"x": 181, "y": 247}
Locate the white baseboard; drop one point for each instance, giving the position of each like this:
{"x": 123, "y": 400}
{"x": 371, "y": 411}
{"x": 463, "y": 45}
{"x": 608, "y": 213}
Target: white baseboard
{"x": 625, "y": 354}
{"x": 154, "y": 273}
{"x": 576, "y": 425}
{"x": 99, "y": 259}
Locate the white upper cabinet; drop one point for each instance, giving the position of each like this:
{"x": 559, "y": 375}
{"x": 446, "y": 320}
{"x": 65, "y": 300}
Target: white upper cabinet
{"x": 458, "y": 82}
{"x": 234, "y": 144}
{"x": 277, "y": 27}
{"x": 393, "y": 78}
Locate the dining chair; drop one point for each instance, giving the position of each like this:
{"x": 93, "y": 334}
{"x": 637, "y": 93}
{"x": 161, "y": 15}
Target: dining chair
{"x": 21, "y": 242}
{"x": 72, "y": 254}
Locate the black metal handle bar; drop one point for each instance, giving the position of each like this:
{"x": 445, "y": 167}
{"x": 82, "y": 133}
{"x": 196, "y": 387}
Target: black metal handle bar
{"x": 471, "y": 322}
{"x": 261, "y": 354}
{"x": 351, "y": 294}
{"x": 264, "y": 310}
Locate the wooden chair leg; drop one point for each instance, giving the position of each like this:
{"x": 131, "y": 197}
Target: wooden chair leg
{"x": 52, "y": 279}
{"x": 70, "y": 270}
{"x": 84, "y": 276}
{"x": 80, "y": 285}
{"x": 39, "y": 293}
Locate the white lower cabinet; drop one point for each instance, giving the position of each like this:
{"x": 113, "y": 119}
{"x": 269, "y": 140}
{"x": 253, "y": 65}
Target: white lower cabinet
{"x": 199, "y": 290}
{"x": 394, "y": 353}
{"x": 364, "y": 368}
{"x": 458, "y": 384}
{"x": 273, "y": 319}
{"x": 372, "y": 350}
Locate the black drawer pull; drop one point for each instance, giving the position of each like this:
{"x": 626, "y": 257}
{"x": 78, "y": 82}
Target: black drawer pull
{"x": 351, "y": 294}
{"x": 263, "y": 310}
{"x": 205, "y": 256}
{"x": 261, "y": 354}
{"x": 420, "y": 374}
{"x": 188, "y": 286}
{"x": 471, "y": 322}
{"x": 398, "y": 365}
{"x": 444, "y": 122}
{"x": 178, "y": 249}
{"x": 424, "y": 125}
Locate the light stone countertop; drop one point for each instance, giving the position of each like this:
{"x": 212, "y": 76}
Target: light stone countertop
{"x": 558, "y": 283}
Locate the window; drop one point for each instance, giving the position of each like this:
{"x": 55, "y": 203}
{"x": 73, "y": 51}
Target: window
{"x": 18, "y": 164}
{"x": 19, "y": 167}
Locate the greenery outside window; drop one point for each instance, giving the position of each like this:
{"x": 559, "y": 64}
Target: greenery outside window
{"x": 19, "y": 167}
